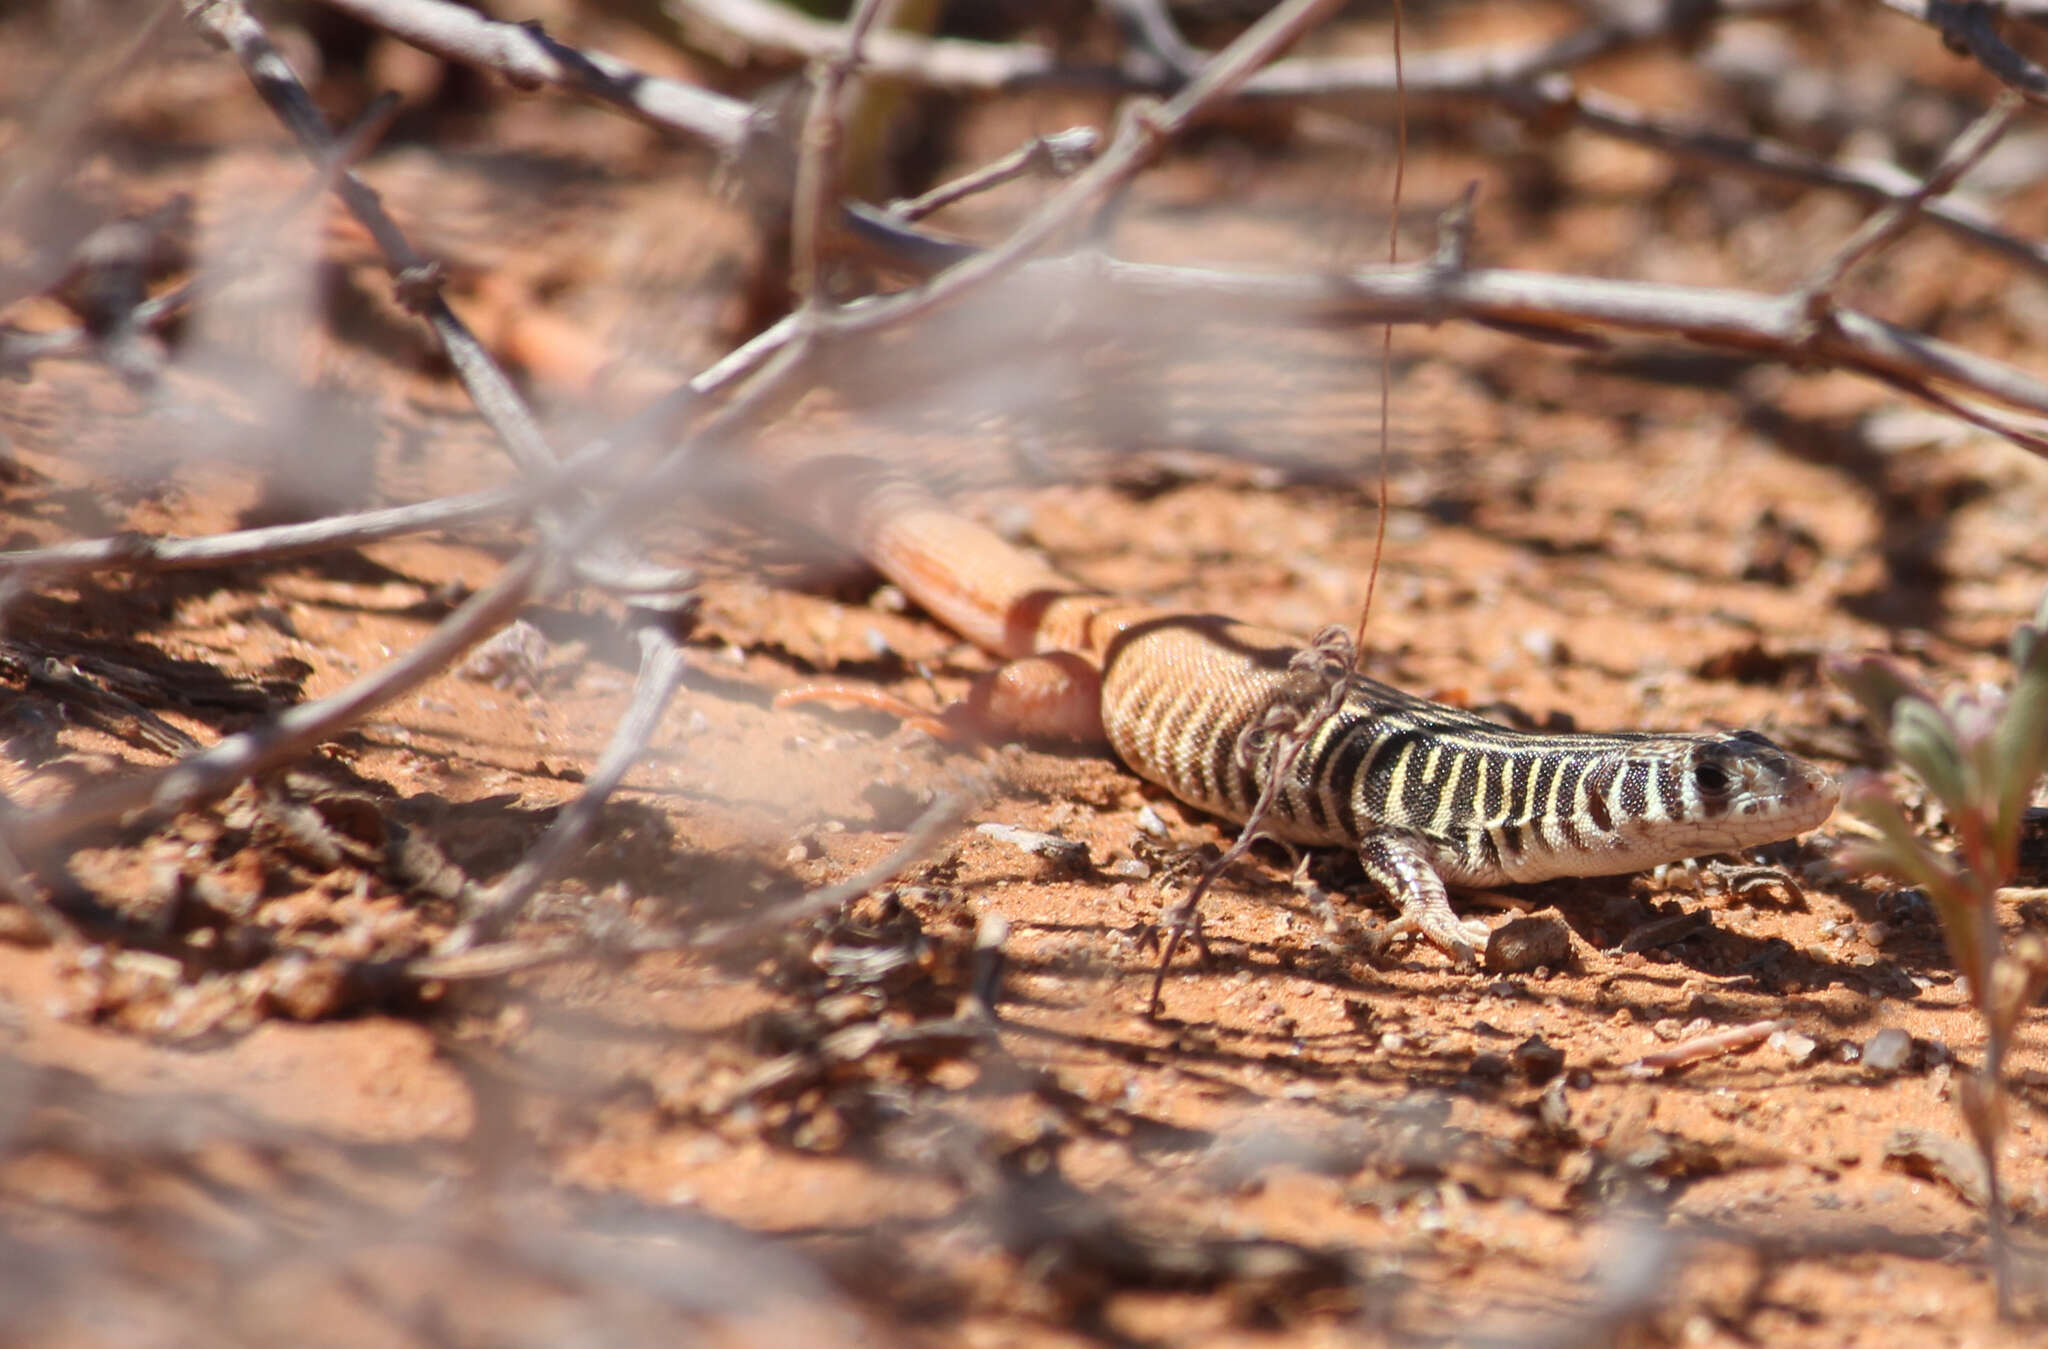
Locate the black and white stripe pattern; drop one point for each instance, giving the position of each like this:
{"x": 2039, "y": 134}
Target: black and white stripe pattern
{"x": 1485, "y": 804}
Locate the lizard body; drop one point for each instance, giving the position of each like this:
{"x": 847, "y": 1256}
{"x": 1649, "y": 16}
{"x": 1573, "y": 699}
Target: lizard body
{"x": 1428, "y": 795}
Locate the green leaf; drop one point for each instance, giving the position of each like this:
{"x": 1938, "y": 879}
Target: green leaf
{"x": 1901, "y": 854}
{"x": 2021, "y": 753}
{"x": 1926, "y": 741}
{"x": 1877, "y": 683}
{"x": 2028, "y": 635}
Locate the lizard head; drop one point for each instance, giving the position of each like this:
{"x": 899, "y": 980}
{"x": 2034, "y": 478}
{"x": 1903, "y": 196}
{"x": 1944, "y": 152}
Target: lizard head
{"x": 1718, "y": 793}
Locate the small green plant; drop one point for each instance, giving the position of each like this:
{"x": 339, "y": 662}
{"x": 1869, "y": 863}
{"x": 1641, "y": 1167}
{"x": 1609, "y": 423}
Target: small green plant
{"x": 1978, "y": 754}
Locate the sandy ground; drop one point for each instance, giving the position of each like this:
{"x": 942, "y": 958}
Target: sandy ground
{"x": 229, "y": 1114}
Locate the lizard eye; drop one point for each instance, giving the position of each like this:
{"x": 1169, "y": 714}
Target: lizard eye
{"x": 1710, "y": 778}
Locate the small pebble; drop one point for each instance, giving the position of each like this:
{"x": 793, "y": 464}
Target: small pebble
{"x": 1888, "y": 1051}
{"x": 1544, "y": 648}
{"x": 1794, "y": 1046}
{"x": 1536, "y": 1060}
{"x": 1527, "y": 944}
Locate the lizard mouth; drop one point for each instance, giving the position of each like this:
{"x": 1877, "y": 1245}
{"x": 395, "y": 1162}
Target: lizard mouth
{"x": 1808, "y": 798}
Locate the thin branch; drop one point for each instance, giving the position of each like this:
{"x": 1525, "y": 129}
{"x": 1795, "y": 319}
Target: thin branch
{"x": 1871, "y": 181}
{"x": 817, "y": 170}
{"x": 763, "y": 26}
{"x": 1713, "y": 1044}
{"x": 274, "y": 543}
{"x": 1744, "y": 322}
{"x": 1888, "y": 224}
{"x": 1060, "y": 155}
{"x": 418, "y": 285}
{"x": 417, "y": 279}
{"x": 773, "y": 29}
{"x": 1141, "y": 134}
{"x": 1970, "y": 27}
{"x": 661, "y": 672}
{"x": 529, "y": 59}
{"x": 216, "y": 770}
{"x": 2033, "y": 437}
{"x": 924, "y": 838}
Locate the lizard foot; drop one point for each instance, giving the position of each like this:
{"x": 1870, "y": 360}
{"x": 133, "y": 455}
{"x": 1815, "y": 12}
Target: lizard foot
{"x": 1462, "y": 939}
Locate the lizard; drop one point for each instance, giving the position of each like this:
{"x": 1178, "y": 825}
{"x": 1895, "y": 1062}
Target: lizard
{"x": 1429, "y": 796}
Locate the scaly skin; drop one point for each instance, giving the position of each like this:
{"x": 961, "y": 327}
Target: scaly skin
{"x": 1428, "y": 795}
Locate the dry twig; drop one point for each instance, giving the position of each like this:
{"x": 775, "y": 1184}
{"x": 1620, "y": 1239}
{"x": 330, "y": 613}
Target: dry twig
{"x": 529, "y": 59}
{"x": 1970, "y": 27}
{"x": 817, "y": 171}
{"x": 1817, "y": 293}
{"x": 661, "y": 673}
{"x": 766, "y": 27}
{"x": 1715, "y": 1044}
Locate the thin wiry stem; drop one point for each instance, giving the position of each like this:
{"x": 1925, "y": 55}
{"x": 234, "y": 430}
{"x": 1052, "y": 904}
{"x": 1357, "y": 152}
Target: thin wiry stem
{"x": 951, "y": 63}
{"x": 924, "y": 837}
{"x": 661, "y": 673}
{"x": 231, "y": 23}
{"x": 216, "y": 769}
{"x": 1750, "y": 323}
{"x": 1871, "y": 181}
{"x": 817, "y": 171}
{"x": 529, "y": 59}
{"x": 418, "y": 283}
{"x": 1971, "y": 26}
{"x": 1060, "y": 155}
{"x": 143, "y": 553}
{"x": 1887, "y": 225}
{"x": 275, "y": 543}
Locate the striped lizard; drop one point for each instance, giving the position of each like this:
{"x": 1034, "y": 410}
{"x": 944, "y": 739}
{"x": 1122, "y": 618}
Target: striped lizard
{"x": 1429, "y": 796}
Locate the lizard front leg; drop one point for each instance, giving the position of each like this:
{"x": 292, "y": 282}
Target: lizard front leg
{"x": 1397, "y": 862}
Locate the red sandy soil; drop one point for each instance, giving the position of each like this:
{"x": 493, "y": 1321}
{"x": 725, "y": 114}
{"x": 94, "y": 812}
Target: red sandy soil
{"x": 230, "y": 1115}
